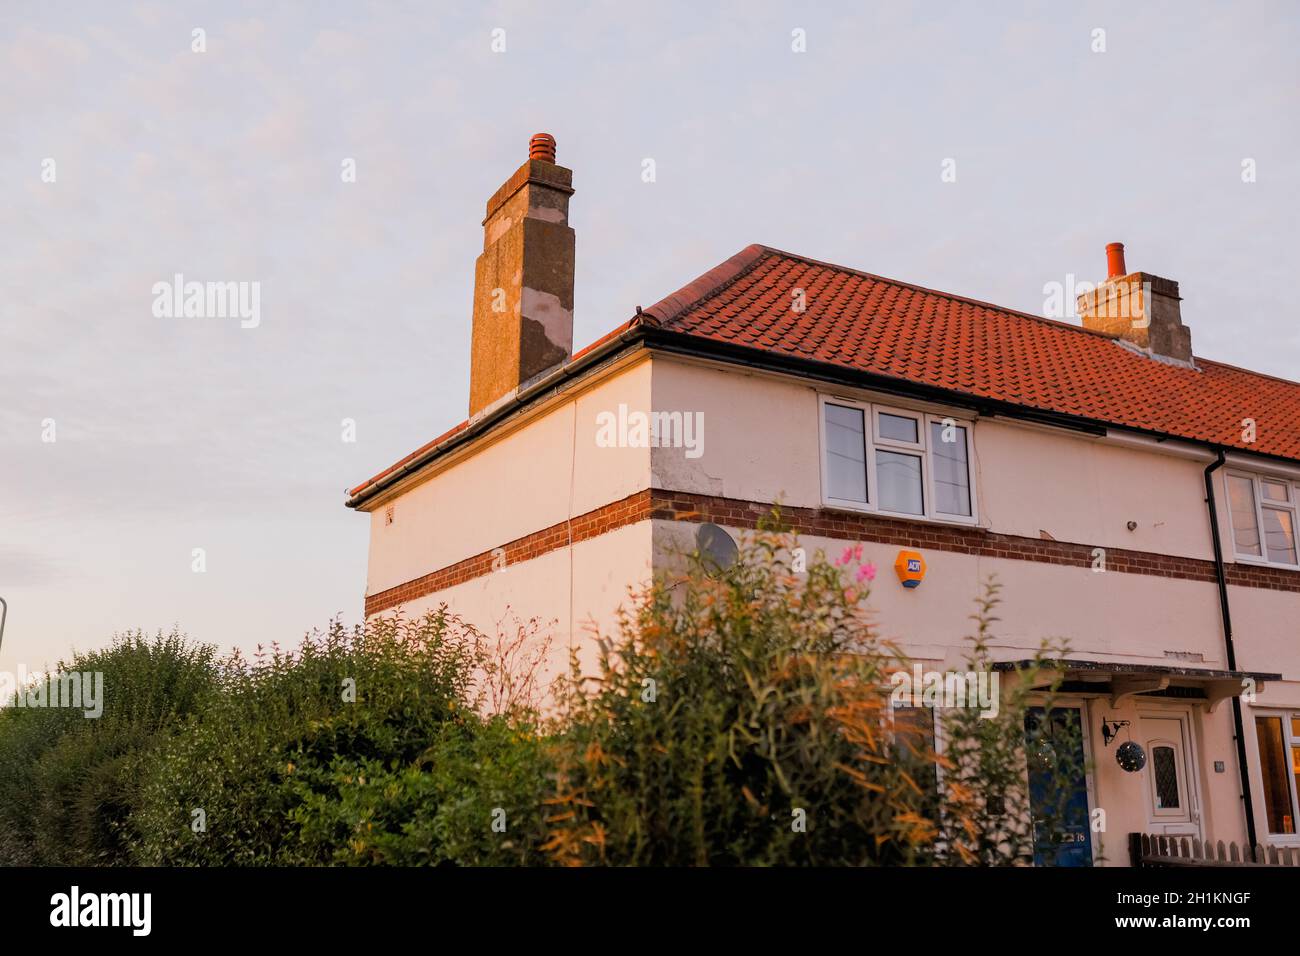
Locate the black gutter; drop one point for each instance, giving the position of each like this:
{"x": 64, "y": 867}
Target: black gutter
{"x": 1220, "y": 574}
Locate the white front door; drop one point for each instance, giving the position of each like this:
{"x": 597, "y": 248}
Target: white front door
{"x": 1173, "y": 803}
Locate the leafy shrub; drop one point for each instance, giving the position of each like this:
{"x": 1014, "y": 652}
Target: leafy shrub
{"x": 743, "y": 717}
{"x": 364, "y": 746}
{"x": 739, "y": 719}
{"x": 68, "y": 783}
{"x": 472, "y": 798}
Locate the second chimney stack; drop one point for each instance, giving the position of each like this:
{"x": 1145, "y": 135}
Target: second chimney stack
{"x": 1138, "y": 307}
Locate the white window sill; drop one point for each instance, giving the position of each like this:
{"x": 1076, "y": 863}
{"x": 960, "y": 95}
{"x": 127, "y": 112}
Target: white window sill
{"x": 1255, "y": 562}
{"x": 850, "y": 508}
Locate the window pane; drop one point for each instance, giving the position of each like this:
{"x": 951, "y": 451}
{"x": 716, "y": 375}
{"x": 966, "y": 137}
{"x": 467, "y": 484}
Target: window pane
{"x": 951, "y": 475}
{"x": 898, "y": 428}
{"x": 1274, "y": 490}
{"x": 1272, "y": 764}
{"x": 1241, "y": 501}
{"x": 846, "y": 455}
{"x": 1166, "y": 771}
{"x": 898, "y": 478}
{"x": 1279, "y": 535}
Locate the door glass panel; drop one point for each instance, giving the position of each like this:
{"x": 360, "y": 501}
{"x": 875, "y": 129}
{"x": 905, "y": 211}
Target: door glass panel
{"x": 898, "y": 478}
{"x": 1164, "y": 764}
{"x": 1241, "y": 501}
{"x": 846, "y": 455}
{"x": 1273, "y": 769}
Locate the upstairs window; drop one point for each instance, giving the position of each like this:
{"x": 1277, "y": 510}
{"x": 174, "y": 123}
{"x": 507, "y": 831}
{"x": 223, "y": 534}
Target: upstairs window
{"x": 894, "y": 461}
{"x": 1263, "y": 512}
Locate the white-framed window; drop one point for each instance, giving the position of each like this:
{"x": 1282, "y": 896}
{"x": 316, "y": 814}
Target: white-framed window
{"x": 1277, "y": 738}
{"x": 1263, "y": 514}
{"x": 896, "y": 461}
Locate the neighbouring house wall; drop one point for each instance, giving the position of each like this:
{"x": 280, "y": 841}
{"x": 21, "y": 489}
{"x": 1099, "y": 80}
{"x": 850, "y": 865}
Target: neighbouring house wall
{"x": 1083, "y": 490}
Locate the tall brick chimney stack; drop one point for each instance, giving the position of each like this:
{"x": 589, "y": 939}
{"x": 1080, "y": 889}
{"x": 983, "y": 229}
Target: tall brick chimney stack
{"x": 1138, "y": 307}
{"x": 523, "y": 281}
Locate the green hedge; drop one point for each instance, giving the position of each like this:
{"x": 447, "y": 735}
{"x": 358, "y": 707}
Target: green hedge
{"x": 69, "y": 785}
{"x": 362, "y": 746}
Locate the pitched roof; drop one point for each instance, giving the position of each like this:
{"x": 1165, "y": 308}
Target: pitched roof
{"x": 860, "y": 321}
{"x": 863, "y": 322}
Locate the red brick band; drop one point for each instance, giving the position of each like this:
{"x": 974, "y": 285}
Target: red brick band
{"x": 683, "y": 506}
{"x": 630, "y": 510}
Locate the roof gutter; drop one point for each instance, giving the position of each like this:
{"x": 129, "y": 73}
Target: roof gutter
{"x": 1225, "y": 613}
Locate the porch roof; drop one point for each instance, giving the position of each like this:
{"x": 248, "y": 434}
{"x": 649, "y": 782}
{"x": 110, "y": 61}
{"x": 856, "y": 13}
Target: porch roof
{"x": 1119, "y": 667}
{"x": 1119, "y": 680}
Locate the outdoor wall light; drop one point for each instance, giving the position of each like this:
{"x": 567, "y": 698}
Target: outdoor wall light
{"x": 1129, "y": 755}
{"x": 1042, "y": 755}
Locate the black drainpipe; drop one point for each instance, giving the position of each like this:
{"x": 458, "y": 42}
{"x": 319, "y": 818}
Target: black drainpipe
{"x": 1221, "y": 576}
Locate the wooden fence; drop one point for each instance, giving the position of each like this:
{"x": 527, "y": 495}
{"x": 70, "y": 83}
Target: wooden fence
{"x": 1153, "y": 849}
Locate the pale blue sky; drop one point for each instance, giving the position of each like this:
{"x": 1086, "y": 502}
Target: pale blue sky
{"x": 181, "y": 433}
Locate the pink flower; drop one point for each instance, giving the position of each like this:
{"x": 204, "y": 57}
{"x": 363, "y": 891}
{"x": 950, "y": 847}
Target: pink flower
{"x": 844, "y": 558}
{"x": 867, "y": 572}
